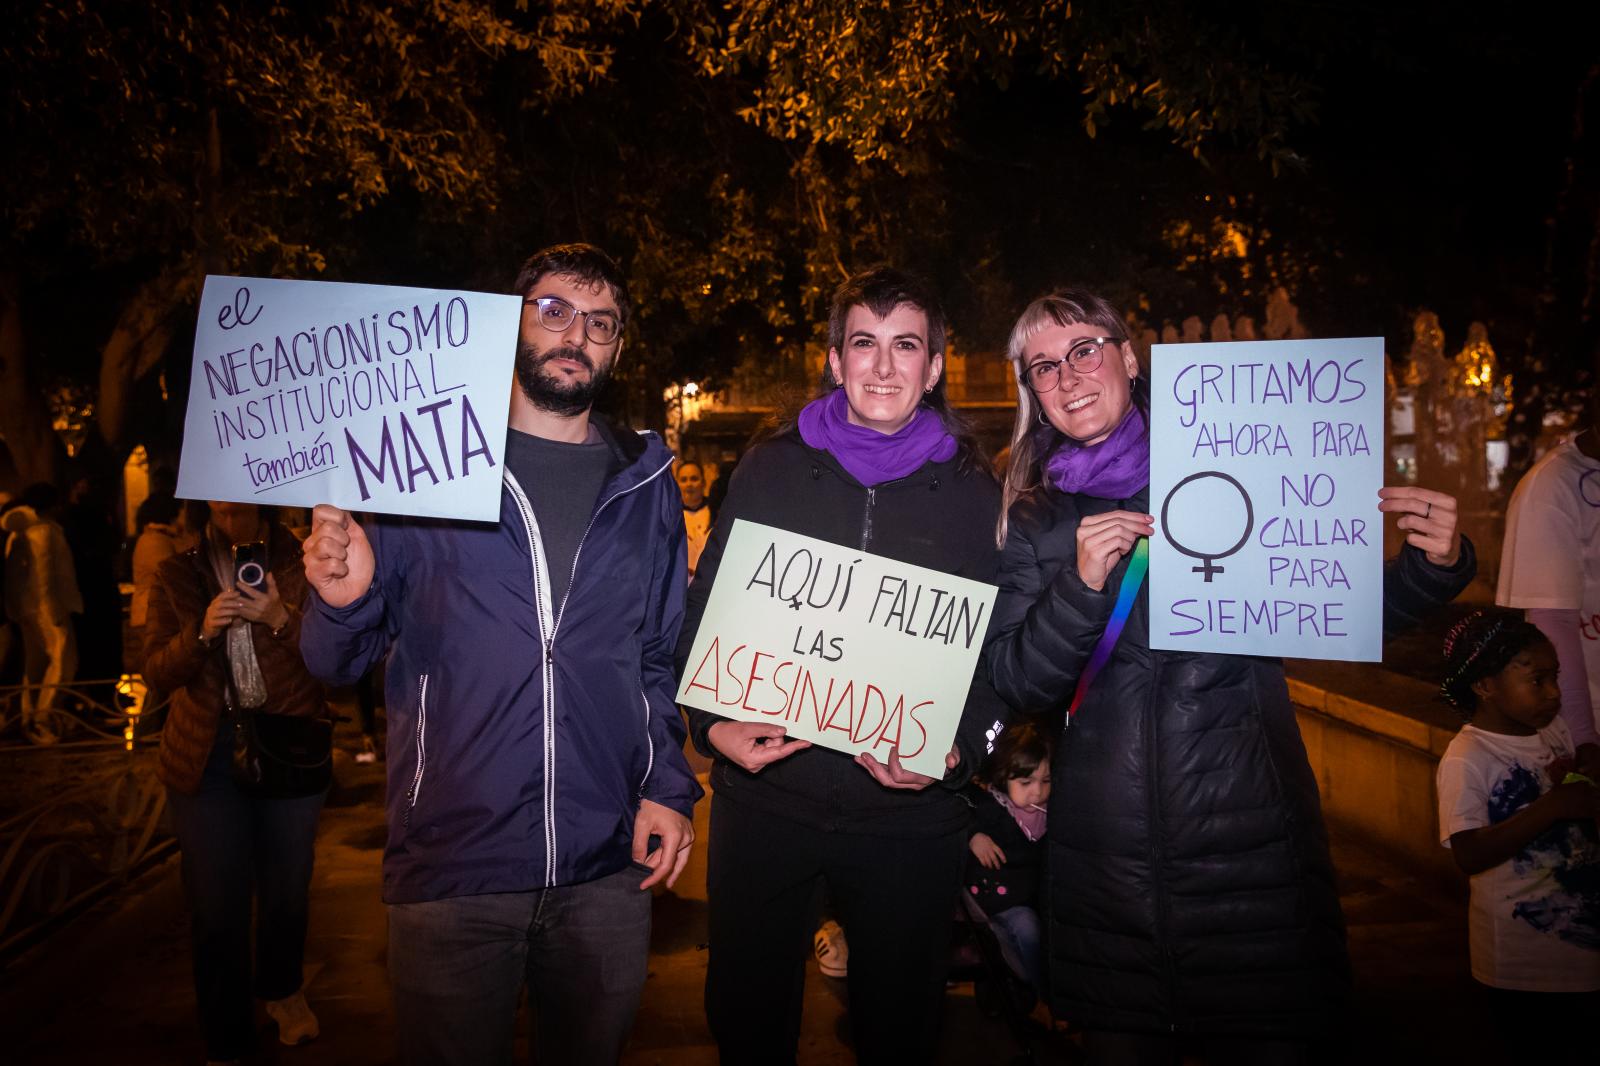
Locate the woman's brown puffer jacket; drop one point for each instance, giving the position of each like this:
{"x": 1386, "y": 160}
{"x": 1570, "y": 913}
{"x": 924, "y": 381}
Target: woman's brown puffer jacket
{"x": 197, "y": 676}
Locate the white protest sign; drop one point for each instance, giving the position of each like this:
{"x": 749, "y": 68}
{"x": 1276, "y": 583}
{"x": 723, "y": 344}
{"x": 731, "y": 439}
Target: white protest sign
{"x": 841, "y": 647}
{"x": 371, "y": 397}
{"x": 1265, "y": 462}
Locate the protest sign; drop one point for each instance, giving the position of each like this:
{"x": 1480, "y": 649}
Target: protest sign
{"x": 371, "y": 397}
{"x": 1265, "y": 462}
{"x": 841, "y": 647}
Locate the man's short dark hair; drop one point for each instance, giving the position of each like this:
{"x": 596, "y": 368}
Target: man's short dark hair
{"x": 581, "y": 262}
{"x": 881, "y": 289}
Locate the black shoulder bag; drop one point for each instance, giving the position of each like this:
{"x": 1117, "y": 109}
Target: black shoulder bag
{"x": 281, "y": 756}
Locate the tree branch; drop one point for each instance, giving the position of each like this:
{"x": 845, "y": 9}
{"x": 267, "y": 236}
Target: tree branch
{"x": 135, "y": 346}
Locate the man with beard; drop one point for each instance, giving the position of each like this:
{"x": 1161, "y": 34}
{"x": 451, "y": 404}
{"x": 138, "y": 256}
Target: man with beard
{"x": 537, "y": 782}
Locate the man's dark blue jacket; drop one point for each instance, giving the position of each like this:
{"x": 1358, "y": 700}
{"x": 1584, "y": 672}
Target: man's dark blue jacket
{"x": 522, "y": 733}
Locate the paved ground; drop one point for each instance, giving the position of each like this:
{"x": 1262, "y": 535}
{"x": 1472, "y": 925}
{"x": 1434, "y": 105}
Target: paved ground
{"x": 115, "y": 989}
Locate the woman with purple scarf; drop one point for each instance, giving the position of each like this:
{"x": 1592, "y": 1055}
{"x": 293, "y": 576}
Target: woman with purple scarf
{"x": 1191, "y": 902}
{"x": 880, "y": 463}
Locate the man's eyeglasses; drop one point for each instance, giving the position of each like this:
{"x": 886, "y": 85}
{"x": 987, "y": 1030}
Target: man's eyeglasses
{"x": 1084, "y": 357}
{"x": 556, "y": 315}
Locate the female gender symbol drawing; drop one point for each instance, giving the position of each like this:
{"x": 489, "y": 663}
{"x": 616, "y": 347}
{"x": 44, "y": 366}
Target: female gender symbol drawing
{"x": 1208, "y": 558}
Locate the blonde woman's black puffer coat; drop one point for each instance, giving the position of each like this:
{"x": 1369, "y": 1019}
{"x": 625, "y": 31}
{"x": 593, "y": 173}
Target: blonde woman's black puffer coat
{"x": 1190, "y": 886}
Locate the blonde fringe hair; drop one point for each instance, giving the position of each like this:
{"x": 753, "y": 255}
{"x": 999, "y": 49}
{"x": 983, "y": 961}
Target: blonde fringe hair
{"x": 1063, "y": 307}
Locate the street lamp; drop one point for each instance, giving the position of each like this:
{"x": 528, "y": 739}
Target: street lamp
{"x": 131, "y": 693}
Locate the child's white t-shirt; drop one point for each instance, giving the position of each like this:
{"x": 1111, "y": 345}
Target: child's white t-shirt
{"x": 1534, "y": 923}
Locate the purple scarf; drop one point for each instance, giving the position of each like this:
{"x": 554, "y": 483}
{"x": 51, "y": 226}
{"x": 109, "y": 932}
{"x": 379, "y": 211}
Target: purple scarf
{"x": 1031, "y": 820}
{"x": 1115, "y": 469}
{"x": 869, "y": 456}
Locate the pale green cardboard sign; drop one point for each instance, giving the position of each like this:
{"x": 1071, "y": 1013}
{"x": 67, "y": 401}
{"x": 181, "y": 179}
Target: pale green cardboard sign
{"x": 843, "y": 648}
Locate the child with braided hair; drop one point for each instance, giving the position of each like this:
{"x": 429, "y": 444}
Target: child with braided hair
{"x": 1519, "y": 817}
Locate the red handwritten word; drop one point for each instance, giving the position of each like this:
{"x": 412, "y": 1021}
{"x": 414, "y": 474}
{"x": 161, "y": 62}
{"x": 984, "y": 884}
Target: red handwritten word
{"x": 792, "y": 692}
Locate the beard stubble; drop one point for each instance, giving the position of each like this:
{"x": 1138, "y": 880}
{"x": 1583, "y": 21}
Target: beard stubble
{"x": 554, "y": 393}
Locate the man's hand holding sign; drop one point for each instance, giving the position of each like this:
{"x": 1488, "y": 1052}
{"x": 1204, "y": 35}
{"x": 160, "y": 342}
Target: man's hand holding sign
{"x": 339, "y": 563}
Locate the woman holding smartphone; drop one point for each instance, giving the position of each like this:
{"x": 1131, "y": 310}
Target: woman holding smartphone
{"x": 223, "y": 635}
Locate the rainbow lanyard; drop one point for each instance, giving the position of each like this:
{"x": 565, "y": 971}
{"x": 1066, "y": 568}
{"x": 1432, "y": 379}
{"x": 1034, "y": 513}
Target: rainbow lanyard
{"x": 1131, "y": 580}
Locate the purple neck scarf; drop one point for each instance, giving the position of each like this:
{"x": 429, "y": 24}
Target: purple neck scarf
{"x": 1031, "y": 820}
{"x": 1115, "y": 469}
{"x": 869, "y": 456}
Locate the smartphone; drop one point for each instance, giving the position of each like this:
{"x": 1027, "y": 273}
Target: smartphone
{"x": 250, "y": 565}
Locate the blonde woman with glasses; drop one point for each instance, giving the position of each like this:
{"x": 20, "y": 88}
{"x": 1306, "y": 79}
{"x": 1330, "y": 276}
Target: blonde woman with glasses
{"x": 1191, "y": 897}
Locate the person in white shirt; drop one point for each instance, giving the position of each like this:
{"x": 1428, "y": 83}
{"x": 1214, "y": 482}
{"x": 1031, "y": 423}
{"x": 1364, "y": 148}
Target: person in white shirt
{"x": 1550, "y": 566}
{"x": 697, "y": 515}
{"x": 41, "y": 596}
{"x": 1517, "y": 810}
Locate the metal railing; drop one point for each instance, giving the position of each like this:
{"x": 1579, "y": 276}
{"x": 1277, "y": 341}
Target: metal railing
{"x": 81, "y": 816}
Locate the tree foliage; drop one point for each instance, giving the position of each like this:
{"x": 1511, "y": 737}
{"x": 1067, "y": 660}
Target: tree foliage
{"x": 831, "y": 134}
{"x": 739, "y": 156}
{"x": 160, "y": 142}
{"x": 878, "y": 77}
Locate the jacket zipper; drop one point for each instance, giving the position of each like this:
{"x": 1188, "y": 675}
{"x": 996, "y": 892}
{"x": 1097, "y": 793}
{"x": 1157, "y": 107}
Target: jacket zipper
{"x": 422, "y": 748}
{"x": 549, "y": 638}
{"x": 835, "y": 789}
{"x": 835, "y": 798}
{"x": 578, "y": 553}
{"x": 547, "y": 692}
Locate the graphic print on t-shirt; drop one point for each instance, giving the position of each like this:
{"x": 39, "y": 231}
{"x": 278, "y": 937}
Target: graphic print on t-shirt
{"x": 1563, "y": 857}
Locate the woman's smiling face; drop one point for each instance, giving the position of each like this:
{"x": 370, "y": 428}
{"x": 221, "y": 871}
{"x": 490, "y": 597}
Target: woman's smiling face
{"x": 1087, "y": 405}
{"x": 884, "y": 367}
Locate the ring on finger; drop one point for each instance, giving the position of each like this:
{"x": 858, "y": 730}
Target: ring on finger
{"x": 1429, "y": 511}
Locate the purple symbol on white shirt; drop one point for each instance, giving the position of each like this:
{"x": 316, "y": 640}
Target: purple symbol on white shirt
{"x": 1589, "y": 492}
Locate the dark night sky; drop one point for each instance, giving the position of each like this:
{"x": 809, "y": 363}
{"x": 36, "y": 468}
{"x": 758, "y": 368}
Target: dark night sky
{"x": 1431, "y": 170}
{"x": 1444, "y": 168}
